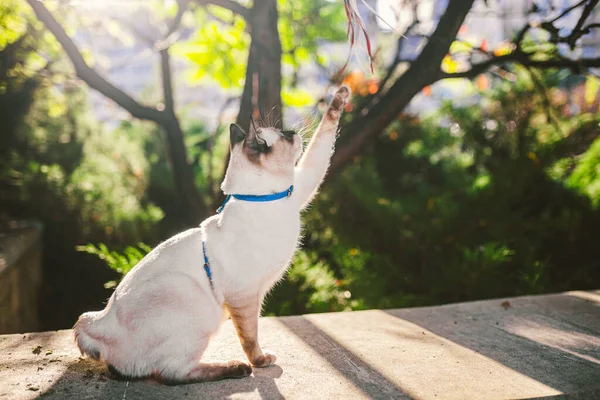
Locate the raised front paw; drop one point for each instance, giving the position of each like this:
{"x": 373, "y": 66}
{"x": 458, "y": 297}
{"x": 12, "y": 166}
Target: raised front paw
{"x": 339, "y": 102}
{"x": 264, "y": 360}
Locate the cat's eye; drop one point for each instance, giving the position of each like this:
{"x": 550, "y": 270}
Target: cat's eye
{"x": 288, "y": 135}
{"x": 258, "y": 146}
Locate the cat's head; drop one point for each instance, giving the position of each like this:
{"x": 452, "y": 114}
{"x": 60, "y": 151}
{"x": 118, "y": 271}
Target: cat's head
{"x": 262, "y": 158}
{"x": 269, "y": 148}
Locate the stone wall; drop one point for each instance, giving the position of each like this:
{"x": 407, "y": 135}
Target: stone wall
{"x": 20, "y": 277}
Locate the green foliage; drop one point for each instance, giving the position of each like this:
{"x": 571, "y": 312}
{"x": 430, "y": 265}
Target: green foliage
{"x": 62, "y": 169}
{"x": 111, "y": 180}
{"x": 12, "y": 22}
{"x": 310, "y": 286}
{"x": 122, "y": 263}
{"x": 585, "y": 177}
{"x": 305, "y": 25}
{"x": 220, "y": 51}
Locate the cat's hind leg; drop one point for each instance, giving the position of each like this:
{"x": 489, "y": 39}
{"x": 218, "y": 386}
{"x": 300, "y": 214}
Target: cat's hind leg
{"x": 175, "y": 361}
{"x": 206, "y": 372}
{"x": 200, "y": 372}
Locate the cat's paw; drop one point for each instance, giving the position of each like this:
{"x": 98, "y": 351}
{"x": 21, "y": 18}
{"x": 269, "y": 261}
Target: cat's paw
{"x": 344, "y": 92}
{"x": 264, "y": 360}
{"x": 238, "y": 369}
{"x": 339, "y": 102}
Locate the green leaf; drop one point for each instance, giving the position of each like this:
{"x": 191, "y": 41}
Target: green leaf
{"x": 297, "y": 98}
{"x": 459, "y": 46}
{"x": 219, "y": 52}
{"x": 592, "y": 84}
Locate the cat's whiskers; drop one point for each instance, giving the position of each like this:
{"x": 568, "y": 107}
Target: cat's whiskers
{"x": 267, "y": 120}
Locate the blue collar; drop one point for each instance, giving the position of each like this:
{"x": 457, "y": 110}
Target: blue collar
{"x": 244, "y": 197}
{"x": 257, "y": 198}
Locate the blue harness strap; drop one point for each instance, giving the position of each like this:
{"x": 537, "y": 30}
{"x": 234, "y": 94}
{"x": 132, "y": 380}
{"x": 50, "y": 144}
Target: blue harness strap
{"x": 207, "y": 264}
{"x": 257, "y": 198}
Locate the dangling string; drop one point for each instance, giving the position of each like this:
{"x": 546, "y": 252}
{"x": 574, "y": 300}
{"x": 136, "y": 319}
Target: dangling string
{"x": 355, "y": 26}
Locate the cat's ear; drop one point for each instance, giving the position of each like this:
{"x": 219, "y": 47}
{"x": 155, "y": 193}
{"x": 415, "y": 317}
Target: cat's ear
{"x": 236, "y": 134}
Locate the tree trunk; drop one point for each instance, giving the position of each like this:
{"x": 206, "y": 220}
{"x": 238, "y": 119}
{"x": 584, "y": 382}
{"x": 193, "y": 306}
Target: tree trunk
{"x": 261, "y": 97}
{"x": 181, "y": 170}
{"x": 183, "y": 175}
{"x": 262, "y": 89}
{"x": 424, "y": 71}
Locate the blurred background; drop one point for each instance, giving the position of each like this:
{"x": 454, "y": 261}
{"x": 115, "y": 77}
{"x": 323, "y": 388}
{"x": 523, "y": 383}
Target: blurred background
{"x": 468, "y": 165}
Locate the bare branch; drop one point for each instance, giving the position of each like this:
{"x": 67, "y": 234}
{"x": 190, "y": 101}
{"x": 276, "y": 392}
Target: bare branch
{"x": 577, "y": 66}
{"x": 149, "y": 41}
{"x": 588, "y": 28}
{"x": 568, "y": 10}
{"x": 397, "y": 60}
{"x": 477, "y": 68}
{"x": 165, "y": 69}
{"x": 168, "y": 37}
{"x": 577, "y": 31}
{"x": 524, "y": 59}
{"x": 88, "y": 74}
{"x": 231, "y": 5}
{"x": 172, "y": 35}
{"x": 181, "y": 9}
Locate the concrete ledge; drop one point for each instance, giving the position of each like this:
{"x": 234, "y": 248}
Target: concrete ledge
{"x": 20, "y": 277}
{"x": 529, "y": 347}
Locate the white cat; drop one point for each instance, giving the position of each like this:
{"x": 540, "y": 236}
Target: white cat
{"x": 160, "y": 318}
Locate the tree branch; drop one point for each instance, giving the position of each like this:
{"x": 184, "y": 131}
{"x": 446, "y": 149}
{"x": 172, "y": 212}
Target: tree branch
{"x": 171, "y": 35}
{"x": 397, "y": 60}
{"x": 577, "y": 31}
{"x": 521, "y": 35}
{"x": 231, "y": 5}
{"x": 525, "y": 60}
{"x": 88, "y": 74}
{"x": 518, "y": 55}
{"x": 181, "y": 9}
{"x": 575, "y": 65}
{"x": 568, "y": 10}
{"x": 165, "y": 69}
{"x": 588, "y": 28}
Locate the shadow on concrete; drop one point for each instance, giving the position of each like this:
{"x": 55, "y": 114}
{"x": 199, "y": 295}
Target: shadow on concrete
{"x": 370, "y": 381}
{"x": 585, "y": 395}
{"x": 551, "y": 345}
{"x": 89, "y": 379}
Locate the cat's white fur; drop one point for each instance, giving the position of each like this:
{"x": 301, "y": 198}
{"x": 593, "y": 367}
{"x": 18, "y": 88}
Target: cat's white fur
{"x": 161, "y": 316}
